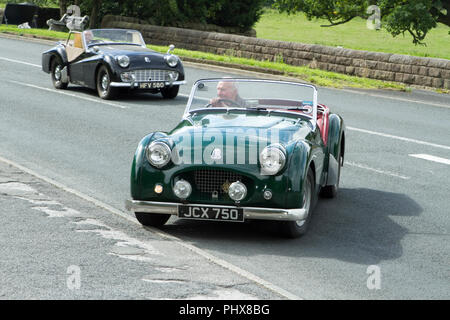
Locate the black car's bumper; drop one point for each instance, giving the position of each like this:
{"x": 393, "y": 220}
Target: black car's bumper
{"x": 136, "y": 84}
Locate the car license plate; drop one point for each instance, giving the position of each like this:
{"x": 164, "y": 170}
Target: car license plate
{"x": 151, "y": 85}
{"x": 211, "y": 213}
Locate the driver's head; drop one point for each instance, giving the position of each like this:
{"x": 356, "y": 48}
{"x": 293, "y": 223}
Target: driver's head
{"x": 88, "y": 36}
{"x": 227, "y": 90}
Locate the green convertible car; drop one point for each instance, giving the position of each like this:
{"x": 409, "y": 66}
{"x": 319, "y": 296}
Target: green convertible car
{"x": 244, "y": 149}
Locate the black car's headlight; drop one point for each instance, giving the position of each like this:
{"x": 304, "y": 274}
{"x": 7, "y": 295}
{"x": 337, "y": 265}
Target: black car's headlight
{"x": 123, "y": 61}
{"x": 158, "y": 154}
{"x": 272, "y": 159}
{"x": 171, "y": 60}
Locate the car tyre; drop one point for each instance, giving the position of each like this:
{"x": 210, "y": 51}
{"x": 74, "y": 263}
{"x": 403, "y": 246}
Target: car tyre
{"x": 170, "y": 92}
{"x": 56, "y": 69}
{"x": 152, "y": 219}
{"x": 295, "y": 229}
{"x": 331, "y": 191}
{"x": 104, "y": 89}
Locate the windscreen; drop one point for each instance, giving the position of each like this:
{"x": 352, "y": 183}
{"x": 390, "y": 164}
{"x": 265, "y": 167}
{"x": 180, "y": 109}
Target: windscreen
{"x": 269, "y": 95}
{"x": 113, "y": 36}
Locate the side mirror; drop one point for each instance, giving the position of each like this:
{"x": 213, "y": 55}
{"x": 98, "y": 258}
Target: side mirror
{"x": 171, "y": 47}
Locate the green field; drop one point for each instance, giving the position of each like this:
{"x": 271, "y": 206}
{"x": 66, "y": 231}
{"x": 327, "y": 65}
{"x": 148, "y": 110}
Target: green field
{"x": 352, "y": 35}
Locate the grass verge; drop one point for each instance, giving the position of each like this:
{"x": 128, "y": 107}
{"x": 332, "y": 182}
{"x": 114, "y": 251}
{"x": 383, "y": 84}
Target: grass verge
{"x": 315, "y": 76}
{"x": 352, "y": 35}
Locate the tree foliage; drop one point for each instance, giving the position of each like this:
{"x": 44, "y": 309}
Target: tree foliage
{"x": 417, "y": 17}
{"x": 242, "y": 14}
{"x": 235, "y": 13}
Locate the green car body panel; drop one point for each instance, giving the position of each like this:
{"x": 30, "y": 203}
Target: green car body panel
{"x": 304, "y": 148}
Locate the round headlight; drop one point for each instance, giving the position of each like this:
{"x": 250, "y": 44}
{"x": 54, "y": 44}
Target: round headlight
{"x": 158, "y": 154}
{"x": 123, "y": 61}
{"x": 272, "y": 160}
{"x": 182, "y": 189}
{"x": 171, "y": 60}
{"x": 237, "y": 191}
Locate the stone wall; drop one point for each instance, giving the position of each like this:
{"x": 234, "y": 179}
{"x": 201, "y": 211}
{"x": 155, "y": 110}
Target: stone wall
{"x": 429, "y": 72}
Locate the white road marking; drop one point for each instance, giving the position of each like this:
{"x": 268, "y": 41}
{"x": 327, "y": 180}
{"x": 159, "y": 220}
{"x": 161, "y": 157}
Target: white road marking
{"x": 399, "y": 138}
{"x": 243, "y": 273}
{"x": 431, "y": 158}
{"x": 70, "y": 94}
{"x": 397, "y": 98}
{"x": 388, "y": 173}
{"x": 21, "y": 62}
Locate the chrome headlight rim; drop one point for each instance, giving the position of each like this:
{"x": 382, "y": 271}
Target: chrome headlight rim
{"x": 163, "y": 148}
{"x": 237, "y": 185}
{"x": 182, "y": 189}
{"x": 123, "y": 61}
{"x": 274, "y": 152}
{"x": 171, "y": 60}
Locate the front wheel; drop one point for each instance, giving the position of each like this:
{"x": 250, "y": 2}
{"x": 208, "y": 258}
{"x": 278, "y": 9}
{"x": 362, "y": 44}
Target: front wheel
{"x": 170, "y": 92}
{"x": 152, "y": 219}
{"x": 294, "y": 229}
{"x": 104, "y": 89}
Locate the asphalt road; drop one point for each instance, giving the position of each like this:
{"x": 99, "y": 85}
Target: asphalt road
{"x": 391, "y": 214}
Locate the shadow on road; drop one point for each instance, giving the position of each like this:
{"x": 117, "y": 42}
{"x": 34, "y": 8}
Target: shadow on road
{"x": 357, "y": 226}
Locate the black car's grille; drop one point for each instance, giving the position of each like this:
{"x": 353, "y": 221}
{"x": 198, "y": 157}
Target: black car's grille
{"x": 145, "y": 75}
{"x": 209, "y": 181}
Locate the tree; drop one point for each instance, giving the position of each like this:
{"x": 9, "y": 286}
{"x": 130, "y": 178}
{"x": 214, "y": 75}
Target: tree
{"x": 417, "y": 17}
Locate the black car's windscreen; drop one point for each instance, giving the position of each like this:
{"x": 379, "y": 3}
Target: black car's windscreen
{"x": 113, "y": 36}
{"x": 252, "y": 93}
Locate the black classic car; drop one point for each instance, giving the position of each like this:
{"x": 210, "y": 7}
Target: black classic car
{"x": 245, "y": 149}
{"x": 110, "y": 59}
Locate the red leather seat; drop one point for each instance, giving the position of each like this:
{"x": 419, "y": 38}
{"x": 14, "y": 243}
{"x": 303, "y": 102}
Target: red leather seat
{"x": 322, "y": 121}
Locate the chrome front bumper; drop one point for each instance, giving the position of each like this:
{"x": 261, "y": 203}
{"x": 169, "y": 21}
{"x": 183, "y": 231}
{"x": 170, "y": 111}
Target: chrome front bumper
{"x": 136, "y": 84}
{"x": 249, "y": 212}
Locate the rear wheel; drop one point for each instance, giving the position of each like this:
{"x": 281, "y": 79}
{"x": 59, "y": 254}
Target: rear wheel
{"x": 331, "y": 191}
{"x": 104, "y": 89}
{"x": 170, "y": 92}
{"x": 152, "y": 219}
{"x": 294, "y": 229}
{"x": 56, "y": 70}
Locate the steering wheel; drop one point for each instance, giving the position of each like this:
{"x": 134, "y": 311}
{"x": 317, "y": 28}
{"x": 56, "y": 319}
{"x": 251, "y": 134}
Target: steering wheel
{"x": 226, "y": 102}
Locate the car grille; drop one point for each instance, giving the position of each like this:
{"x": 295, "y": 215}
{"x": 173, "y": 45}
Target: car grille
{"x": 145, "y": 75}
{"x": 209, "y": 181}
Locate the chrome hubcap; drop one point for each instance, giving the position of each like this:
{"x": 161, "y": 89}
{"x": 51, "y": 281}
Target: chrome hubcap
{"x": 105, "y": 82}
{"x": 306, "y": 200}
{"x": 58, "y": 72}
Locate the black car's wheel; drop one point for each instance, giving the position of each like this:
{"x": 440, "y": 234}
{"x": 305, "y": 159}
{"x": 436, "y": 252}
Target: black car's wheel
{"x": 170, "y": 92}
{"x": 104, "y": 89}
{"x": 152, "y": 219}
{"x": 294, "y": 229}
{"x": 56, "y": 70}
{"x": 331, "y": 191}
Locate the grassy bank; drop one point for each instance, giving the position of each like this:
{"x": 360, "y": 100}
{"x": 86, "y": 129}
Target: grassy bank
{"x": 318, "y": 77}
{"x": 352, "y": 35}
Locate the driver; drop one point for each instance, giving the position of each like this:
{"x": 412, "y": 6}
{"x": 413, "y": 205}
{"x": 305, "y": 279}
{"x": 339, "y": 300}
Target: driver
{"x": 88, "y": 37}
{"x": 227, "y": 93}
